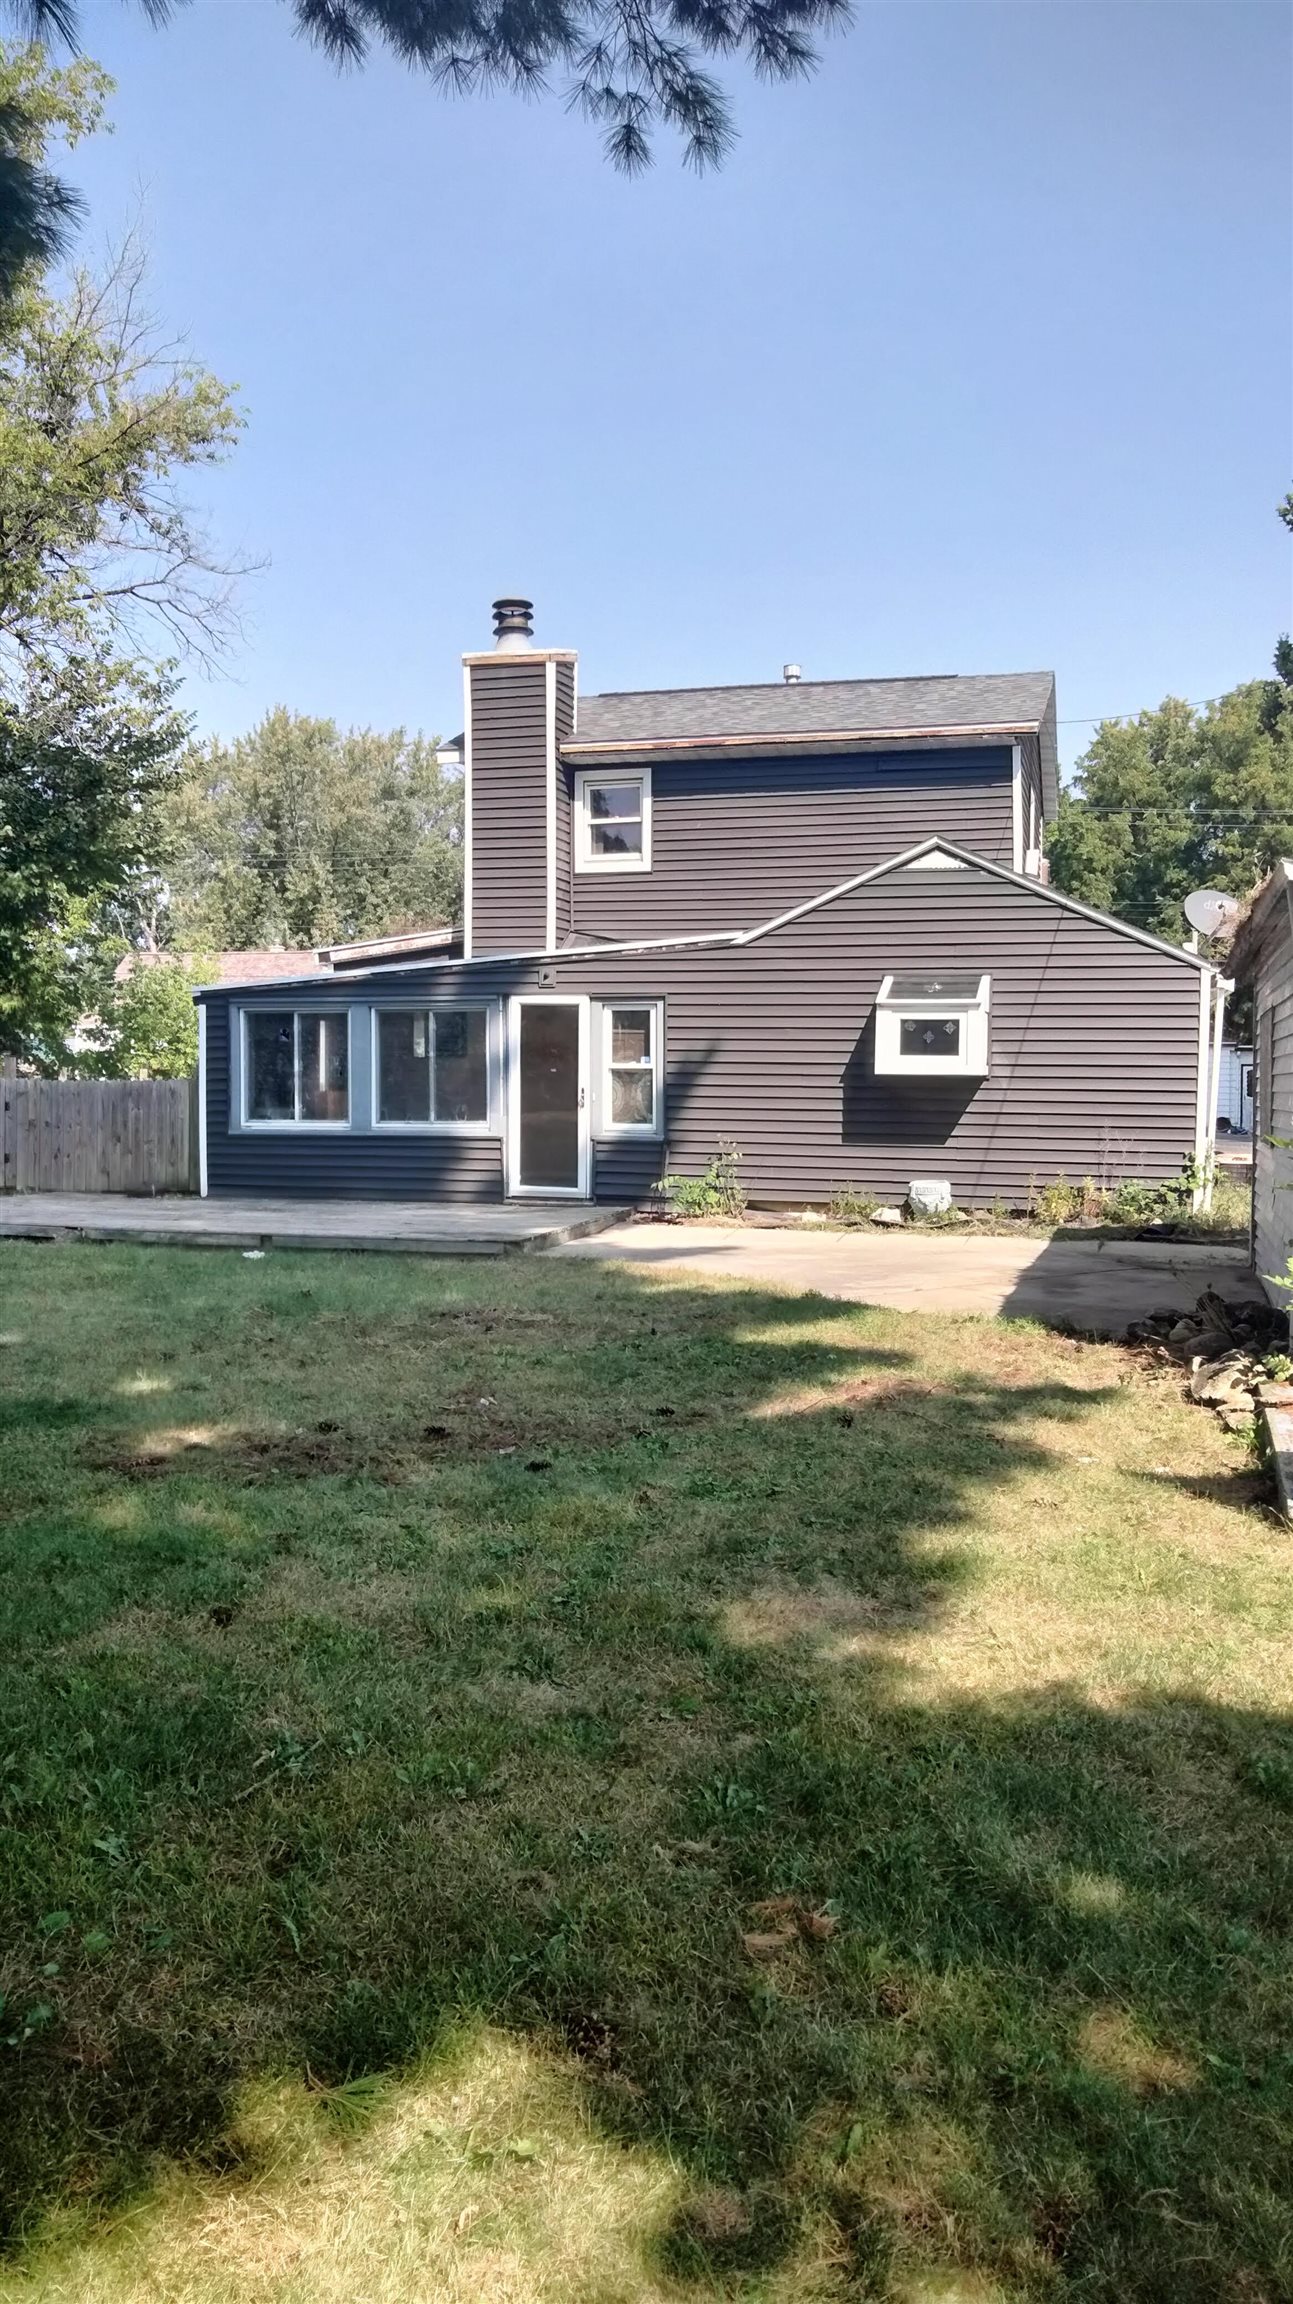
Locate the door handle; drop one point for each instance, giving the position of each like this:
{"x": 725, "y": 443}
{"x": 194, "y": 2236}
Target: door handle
{"x": 582, "y": 1094}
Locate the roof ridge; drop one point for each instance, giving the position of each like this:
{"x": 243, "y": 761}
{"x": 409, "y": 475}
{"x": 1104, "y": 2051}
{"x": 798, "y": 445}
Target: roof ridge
{"x": 844, "y": 680}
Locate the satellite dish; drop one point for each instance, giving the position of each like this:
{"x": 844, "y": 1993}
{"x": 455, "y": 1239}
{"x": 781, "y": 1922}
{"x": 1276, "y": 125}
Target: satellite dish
{"x": 1208, "y": 910}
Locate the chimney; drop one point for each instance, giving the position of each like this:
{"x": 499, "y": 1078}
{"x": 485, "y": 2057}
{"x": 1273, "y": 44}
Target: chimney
{"x": 513, "y": 626}
{"x": 790, "y": 673}
{"x": 519, "y": 708}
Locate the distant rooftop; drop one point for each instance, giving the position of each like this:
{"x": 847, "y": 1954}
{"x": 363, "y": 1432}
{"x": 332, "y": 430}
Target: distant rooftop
{"x": 250, "y": 966}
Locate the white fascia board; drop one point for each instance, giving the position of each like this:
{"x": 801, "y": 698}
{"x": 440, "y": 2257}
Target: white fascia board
{"x": 754, "y": 745}
{"x": 1024, "y": 880}
{"x": 344, "y": 976}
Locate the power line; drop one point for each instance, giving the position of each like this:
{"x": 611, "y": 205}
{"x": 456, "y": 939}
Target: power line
{"x": 1199, "y": 818}
{"x": 1195, "y": 704}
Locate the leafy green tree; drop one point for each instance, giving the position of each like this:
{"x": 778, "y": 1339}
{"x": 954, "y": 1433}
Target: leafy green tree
{"x": 38, "y": 214}
{"x": 1180, "y": 798}
{"x": 86, "y": 744}
{"x": 147, "y": 1023}
{"x": 300, "y": 834}
{"x": 98, "y": 558}
{"x": 100, "y": 417}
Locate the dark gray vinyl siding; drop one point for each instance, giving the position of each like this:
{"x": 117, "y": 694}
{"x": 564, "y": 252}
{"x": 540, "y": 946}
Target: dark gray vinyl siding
{"x": 310, "y": 1165}
{"x": 509, "y": 805}
{"x": 564, "y": 821}
{"x": 624, "y": 1169}
{"x": 737, "y": 841}
{"x": 1094, "y": 1043}
{"x": 1093, "y": 1048}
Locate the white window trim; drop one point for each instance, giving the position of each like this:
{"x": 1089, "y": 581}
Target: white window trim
{"x": 971, "y": 1059}
{"x": 585, "y": 860}
{"x": 485, "y": 1127}
{"x": 293, "y": 1127}
{"x": 647, "y": 1131}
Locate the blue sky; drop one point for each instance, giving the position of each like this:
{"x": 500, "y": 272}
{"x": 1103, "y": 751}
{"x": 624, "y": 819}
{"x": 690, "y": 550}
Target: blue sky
{"x": 975, "y": 356}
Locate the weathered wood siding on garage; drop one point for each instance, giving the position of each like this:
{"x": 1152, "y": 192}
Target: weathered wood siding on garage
{"x": 1094, "y": 1057}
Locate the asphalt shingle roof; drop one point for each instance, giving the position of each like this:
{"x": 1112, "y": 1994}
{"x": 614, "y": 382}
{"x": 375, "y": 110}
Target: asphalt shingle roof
{"x": 1014, "y": 700}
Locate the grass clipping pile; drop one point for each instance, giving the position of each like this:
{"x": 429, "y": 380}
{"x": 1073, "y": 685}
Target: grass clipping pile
{"x": 1236, "y": 1353}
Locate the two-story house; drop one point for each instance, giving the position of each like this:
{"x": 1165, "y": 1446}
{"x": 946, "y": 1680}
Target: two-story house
{"x": 810, "y": 917}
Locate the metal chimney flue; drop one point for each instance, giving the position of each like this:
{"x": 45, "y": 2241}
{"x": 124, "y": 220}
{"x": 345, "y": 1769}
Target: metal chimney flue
{"x": 513, "y": 625}
{"x": 790, "y": 673}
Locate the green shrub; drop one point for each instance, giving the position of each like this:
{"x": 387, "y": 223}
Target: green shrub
{"x": 849, "y": 1206}
{"x": 1136, "y": 1202}
{"x": 1058, "y": 1202}
{"x": 718, "y": 1192}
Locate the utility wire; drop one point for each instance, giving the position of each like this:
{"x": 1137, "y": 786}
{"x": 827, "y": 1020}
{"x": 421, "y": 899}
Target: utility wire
{"x": 1196, "y": 705}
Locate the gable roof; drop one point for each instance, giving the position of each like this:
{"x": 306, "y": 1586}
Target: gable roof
{"x": 1024, "y": 880}
{"x": 975, "y": 702}
{"x": 950, "y": 705}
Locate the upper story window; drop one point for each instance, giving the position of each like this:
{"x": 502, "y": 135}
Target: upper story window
{"x": 613, "y": 821}
{"x": 296, "y": 1068}
{"x": 432, "y": 1067}
{"x": 930, "y": 1026}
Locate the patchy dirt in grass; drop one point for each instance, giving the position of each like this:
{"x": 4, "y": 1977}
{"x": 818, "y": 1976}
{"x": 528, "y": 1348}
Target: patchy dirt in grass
{"x": 531, "y": 1699}
{"x": 825, "y": 1616}
{"x": 321, "y": 1452}
{"x": 1113, "y": 2043}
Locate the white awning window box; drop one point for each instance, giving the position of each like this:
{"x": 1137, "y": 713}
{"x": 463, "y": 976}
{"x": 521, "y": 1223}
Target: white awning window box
{"x": 932, "y": 1026}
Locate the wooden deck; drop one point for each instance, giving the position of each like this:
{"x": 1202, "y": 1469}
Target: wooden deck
{"x": 412, "y": 1227}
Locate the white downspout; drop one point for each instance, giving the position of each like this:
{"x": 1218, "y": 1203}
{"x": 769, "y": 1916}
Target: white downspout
{"x": 202, "y": 1099}
{"x": 1224, "y": 985}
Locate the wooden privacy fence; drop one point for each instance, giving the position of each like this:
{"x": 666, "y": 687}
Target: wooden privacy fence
{"x": 98, "y": 1136}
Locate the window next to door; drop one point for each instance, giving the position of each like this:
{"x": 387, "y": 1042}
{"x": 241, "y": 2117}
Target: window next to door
{"x": 432, "y": 1067}
{"x": 632, "y": 1101}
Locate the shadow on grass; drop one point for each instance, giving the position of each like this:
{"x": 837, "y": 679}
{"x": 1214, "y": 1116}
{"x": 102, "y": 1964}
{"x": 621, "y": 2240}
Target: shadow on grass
{"x": 618, "y": 1754}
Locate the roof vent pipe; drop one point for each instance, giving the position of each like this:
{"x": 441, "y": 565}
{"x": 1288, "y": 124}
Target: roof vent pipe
{"x": 790, "y": 673}
{"x": 513, "y": 625}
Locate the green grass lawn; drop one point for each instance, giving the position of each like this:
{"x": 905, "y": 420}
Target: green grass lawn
{"x": 520, "y": 1782}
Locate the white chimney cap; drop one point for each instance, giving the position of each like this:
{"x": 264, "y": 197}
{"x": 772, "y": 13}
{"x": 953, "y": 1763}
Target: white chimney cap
{"x": 790, "y": 673}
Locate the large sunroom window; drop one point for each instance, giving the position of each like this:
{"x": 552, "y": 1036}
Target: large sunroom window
{"x": 432, "y": 1067}
{"x": 296, "y": 1068}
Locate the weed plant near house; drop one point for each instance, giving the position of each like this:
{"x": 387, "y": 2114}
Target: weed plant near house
{"x": 525, "y": 1781}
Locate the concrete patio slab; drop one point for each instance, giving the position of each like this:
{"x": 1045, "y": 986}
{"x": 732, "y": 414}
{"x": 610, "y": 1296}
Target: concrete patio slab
{"x": 409, "y": 1227}
{"x": 1098, "y": 1286}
